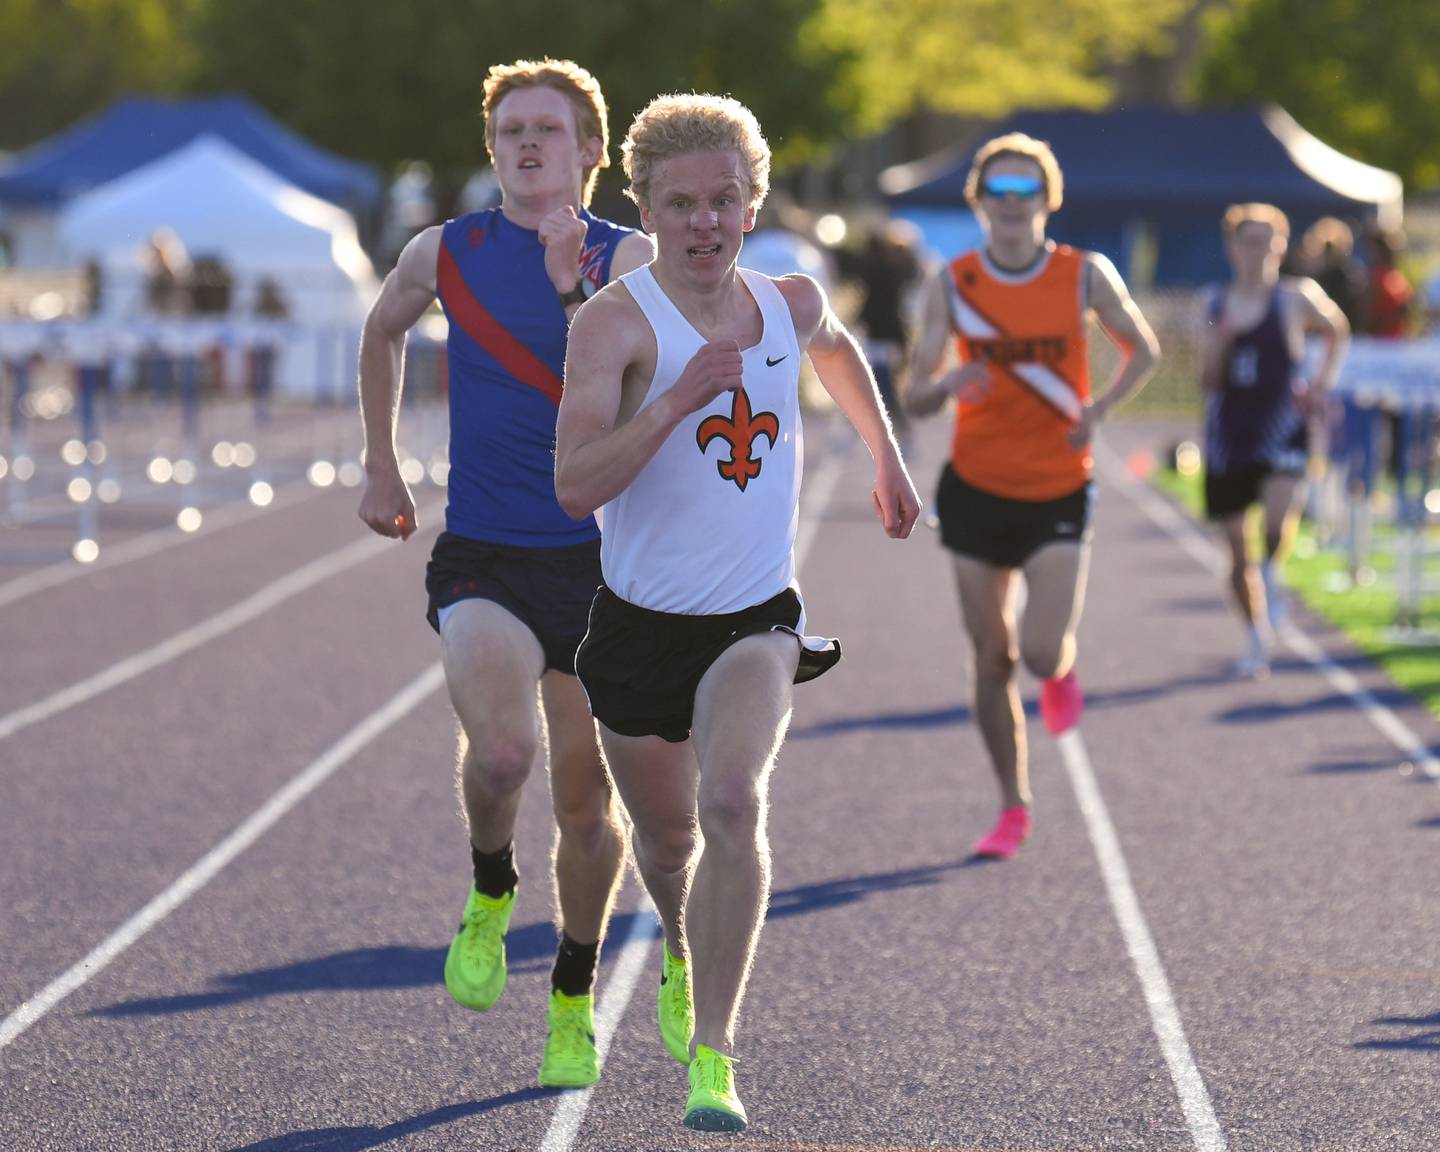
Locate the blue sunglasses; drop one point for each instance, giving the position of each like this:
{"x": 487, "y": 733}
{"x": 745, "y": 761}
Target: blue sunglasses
{"x": 1001, "y": 186}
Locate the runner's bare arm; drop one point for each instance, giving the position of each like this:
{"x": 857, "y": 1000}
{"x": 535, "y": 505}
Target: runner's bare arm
{"x": 846, "y": 376}
{"x": 599, "y": 446}
{"x": 1213, "y": 338}
{"x": 408, "y": 291}
{"x": 926, "y": 392}
{"x": 1319, "y": 315}
{"x": 1122, "y": 321}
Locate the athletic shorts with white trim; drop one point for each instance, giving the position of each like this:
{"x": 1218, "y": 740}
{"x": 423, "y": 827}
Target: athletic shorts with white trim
{"x": 641, "y": 668}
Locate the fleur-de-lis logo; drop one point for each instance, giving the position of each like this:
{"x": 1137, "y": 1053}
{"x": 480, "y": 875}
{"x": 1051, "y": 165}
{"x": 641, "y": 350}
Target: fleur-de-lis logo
{"x": 739, "y": 431}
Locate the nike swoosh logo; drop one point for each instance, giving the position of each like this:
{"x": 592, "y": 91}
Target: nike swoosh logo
{"x": 771, "y": 363}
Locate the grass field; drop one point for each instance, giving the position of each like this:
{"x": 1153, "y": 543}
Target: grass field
{"x": 1364, "y": 613}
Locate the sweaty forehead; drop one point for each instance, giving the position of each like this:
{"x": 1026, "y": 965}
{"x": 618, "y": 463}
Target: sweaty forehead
{"x": 1257, "y": 231}
{"x": 1014, "y": 166}
{"x": 534, "y": 103}
{"x": 699, "y": 173}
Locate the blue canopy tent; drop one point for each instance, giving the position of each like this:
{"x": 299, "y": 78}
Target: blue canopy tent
{"x": 1147, "y": 185}
{"x": 134, "y": 131}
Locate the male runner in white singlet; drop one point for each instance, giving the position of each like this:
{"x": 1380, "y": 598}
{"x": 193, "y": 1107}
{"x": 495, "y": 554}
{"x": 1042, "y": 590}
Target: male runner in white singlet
{"x": 680, "y": 422}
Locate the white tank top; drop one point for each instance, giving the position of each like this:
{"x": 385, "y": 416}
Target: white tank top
{"x": 708, "y": 526}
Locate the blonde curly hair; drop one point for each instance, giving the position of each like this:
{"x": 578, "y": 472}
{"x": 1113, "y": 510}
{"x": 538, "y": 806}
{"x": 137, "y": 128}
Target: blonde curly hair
{"x": 696, "y": 122}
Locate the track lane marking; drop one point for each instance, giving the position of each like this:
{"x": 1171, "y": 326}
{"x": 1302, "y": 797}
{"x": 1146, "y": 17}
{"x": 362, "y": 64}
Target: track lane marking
{"x": 243, "y": 612}
{"x": 150, "y": 544}
{"x": 1164, "y": 1015}
{"x": 1199, "y": 546}
{"x": 208, "y": 866}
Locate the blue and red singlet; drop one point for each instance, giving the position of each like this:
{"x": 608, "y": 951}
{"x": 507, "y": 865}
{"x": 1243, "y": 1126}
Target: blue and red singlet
{"x": 506, "y": 354}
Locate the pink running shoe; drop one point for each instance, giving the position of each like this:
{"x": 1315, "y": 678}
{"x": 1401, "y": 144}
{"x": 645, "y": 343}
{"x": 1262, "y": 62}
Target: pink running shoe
{"x": 1010, "y": 831}
{"x": 1061, "y": 702}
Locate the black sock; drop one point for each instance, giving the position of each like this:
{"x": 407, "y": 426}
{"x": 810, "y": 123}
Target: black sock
{"x": 574, "y": 970}
{"x": 495, "y": 873}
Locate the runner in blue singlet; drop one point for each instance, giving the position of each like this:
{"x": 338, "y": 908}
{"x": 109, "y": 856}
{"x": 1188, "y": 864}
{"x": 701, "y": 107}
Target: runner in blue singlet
{"x": 511, "y": 579}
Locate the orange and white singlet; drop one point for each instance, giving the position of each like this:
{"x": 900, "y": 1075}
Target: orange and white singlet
{"x": 1030, "y": 329}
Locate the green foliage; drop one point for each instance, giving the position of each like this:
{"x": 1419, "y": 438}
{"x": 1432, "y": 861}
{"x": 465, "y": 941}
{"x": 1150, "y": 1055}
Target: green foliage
{"x": 61, "y": 60}
{"x": 385, "y": 82}
{"x": 987, "y": 57}
{"x": 1363, "y": 77}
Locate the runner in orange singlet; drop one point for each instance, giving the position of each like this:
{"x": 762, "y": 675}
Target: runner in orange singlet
{"x": 1016, "y": 494}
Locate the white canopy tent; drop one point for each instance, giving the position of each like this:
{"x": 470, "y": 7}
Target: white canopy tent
{"x": 223, "y": 205}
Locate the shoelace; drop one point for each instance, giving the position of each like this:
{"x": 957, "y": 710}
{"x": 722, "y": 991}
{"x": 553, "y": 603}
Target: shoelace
{"x": 482, "y": 920}
{"x": 717, "y": 1076}
{"x": 479, "y": 916}
{"x": 570, "y": 1025}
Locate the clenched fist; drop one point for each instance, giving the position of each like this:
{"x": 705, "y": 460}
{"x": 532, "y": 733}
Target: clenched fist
{"x": 563, "y": 235}
{"x": 716, "y": 368}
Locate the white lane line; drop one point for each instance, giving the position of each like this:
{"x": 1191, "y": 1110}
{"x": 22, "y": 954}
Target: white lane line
{"x": 1184, "y": 532}
{"x": 139, "y": 547}
{"x": 634, "y": 954}
{"x": 191, "y": 638}
{"x": 1164, "y": 1016}
{"x": 205, "y": 869}
{"x": 1390, "y": 725}
{"x": 565, "y": 1125}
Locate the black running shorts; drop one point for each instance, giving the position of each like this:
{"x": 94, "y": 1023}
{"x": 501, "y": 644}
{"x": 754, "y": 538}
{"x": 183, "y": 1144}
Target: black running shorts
{"x": 1004, "y": 532}
{"x": 548, "y": 589}
{"x": 1230, "y": 493}
{"x": 641, "y": 668}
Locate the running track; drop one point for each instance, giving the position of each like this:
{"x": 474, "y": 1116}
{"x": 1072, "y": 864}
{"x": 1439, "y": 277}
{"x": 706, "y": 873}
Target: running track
{"x": 231, "y": 861}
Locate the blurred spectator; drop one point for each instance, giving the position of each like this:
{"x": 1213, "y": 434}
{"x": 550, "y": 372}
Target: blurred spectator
{"x": 93, "y": 279}
{"x": 888, "y": 269}
{"x": 269, "y": 300}
{"x": 409, "y": 207}
{"x": 480, "y": 192}
{"x": 167, "y": 296}
{"x": 167, "y": 275}
{"x": 211, "y": 285}
{"x": 777, "y": 251}
{"x": 1430, "y": 301}
{"x": 1328, "y": 257}
{"x": 1388, "y": 295}
{"x": 269, "y": 305}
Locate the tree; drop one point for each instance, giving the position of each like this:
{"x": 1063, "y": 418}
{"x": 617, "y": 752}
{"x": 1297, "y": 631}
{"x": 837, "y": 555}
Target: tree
{"x": 385, "y": 82}
{"x": 61, "y": 60}
{"x": 985, "y": 57}
{"x": 1364, "y": 77}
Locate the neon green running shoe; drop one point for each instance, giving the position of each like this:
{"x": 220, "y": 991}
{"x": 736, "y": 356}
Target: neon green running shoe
{"x": 570, "y": 1059}
{"x": 677, "y": 1008}
{"x": 713, "y": 1105}
{"x": 475, "y": 964}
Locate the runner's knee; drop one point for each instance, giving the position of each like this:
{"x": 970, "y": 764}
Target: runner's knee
{"x": 668, "y": 850}
{"x": 730, "y": 808}
{"x": 994, "y": 663}
{"x": 1042, "y": 656}
{"x": 585, "y": 818}
{"x": 501, "y": 763}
